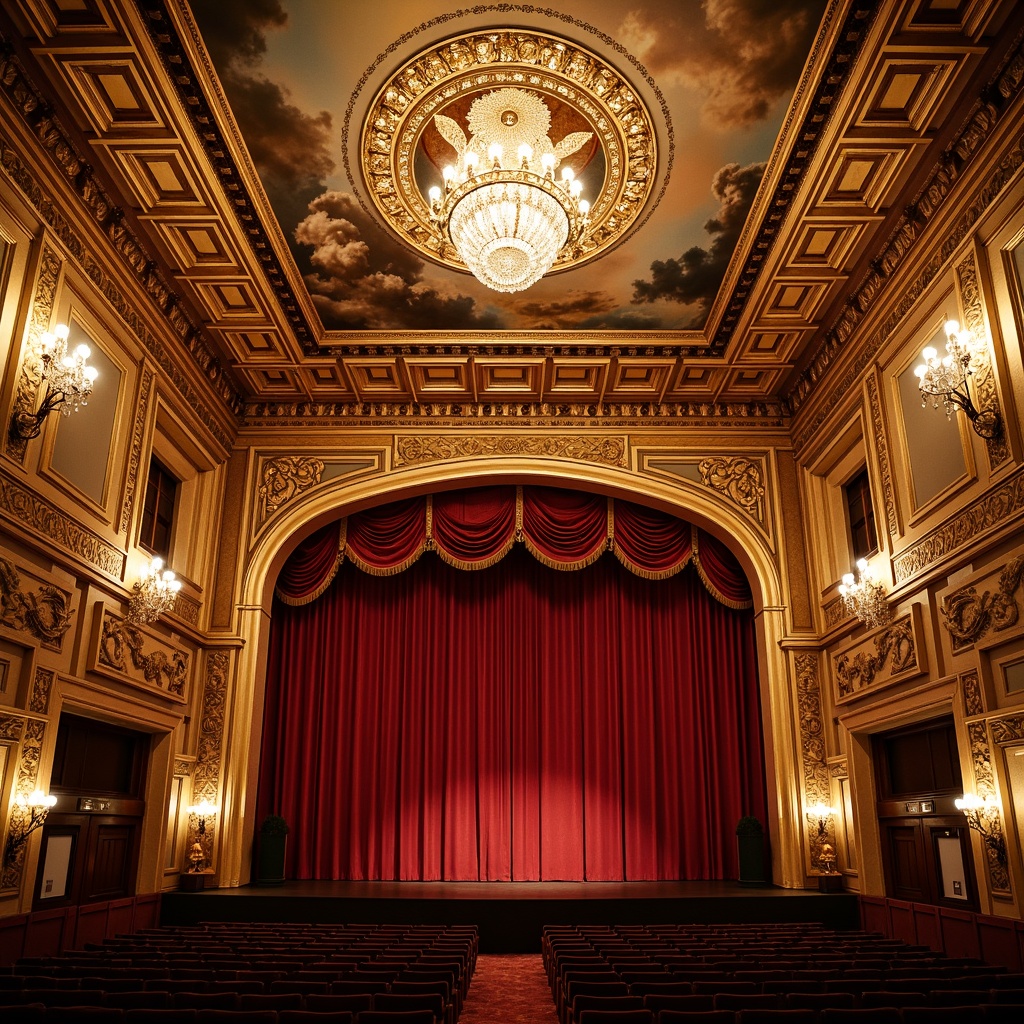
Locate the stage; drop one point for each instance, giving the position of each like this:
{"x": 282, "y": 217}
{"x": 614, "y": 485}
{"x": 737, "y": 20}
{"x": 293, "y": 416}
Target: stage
{"x": 510, "y": 915}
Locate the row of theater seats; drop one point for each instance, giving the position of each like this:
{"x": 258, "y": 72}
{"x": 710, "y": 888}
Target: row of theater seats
{"x": 264, "y": 973}
{"x": 757, "y": 974}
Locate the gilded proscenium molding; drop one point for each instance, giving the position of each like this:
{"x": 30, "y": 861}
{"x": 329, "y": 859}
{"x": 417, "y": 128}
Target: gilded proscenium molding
{"x": 417, "y": 448}
{"x": 31, "y": 734}
{"x": 968, "y": 616}
{"x": 974, "y": 693}
{"x": 44, "y": 614}
{"x": 42, "y": 687}
{"x": 881, "y": 447}
{"x": 206, "y": 776}
{"x": 140, "y": 659}
{"x": 991, "y": 510}
{"x": 135, "y": 452}
{"x": 985, "y": 786}
{"x": 817, "y": 778}
{"x": 768, "y": 413}
{"x": 24, "y": 507}
{"x": 885, "y": 656}
{"x": 29, "y": 381}
{"x": 740, "y": 479}
{"x": 981, "y": 362}
{"x": 77, "y": 173}
{"x": 442, "y": 78}
{"x": 284, "y": 478}
{"x": 995, "y": 99}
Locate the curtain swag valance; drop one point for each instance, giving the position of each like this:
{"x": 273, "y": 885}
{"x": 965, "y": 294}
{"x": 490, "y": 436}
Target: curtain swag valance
{"x": 474, "y": 529}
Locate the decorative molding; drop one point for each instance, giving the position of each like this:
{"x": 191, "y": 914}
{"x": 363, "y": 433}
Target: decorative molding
{"x": 1008, "y": 729}
{"x": 120, "y": 653}
{"x": 768, "y": 413}
{"x": 985, "y": 785}
{"x": 881, "y": 448}
{"x": 838, "y": 768}
{"x": 212, "y": 723}
{"x": 31, "y": 737}
{"x": 981, "y": 363}
{"x": 25, "y": 507}
{"x": 186, "y": 609}
{"x": 11, "y": 727}
{"x": 30, "y": 379}
{"x": 995, "y": 99}
{"x": 45, "y": 614}
{"x": 835, "y": 612}
{"x": 284, "y": 478}
{"x": 817, "y": 777}
{"x": 78, "y": 175}
{"x": 974, "y": 694}
{"x": 739, "y": 478}
{"x": 183, "y": 767}
{"x": 968, "y": 617}
{"x": 42, "y": 687}
{"x": 135, "y": 453}
{"x": 419, "y": 448}
{"x": 885, "y": 656}
{"x": 991, "y": 510}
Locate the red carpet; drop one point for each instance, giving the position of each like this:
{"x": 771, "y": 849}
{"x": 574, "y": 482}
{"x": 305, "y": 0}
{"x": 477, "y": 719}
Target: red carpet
{"x": 509, "y": 989}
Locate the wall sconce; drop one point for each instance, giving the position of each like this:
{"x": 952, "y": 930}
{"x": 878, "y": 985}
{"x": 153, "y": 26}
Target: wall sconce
{"x": 201, "y": 811}
{"x": 28, "y": 814}
{"x": 826, "y": 851}
{"x": 68, "y": 382}
{"x": 823, "y": 813}
{"x": 983, "y": 817}
{"x": 946, "y": 380}
{"x": 152, "y": 595}
{"x": 865, "y": 597}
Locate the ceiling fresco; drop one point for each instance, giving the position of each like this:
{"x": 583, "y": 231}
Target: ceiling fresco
{"x": 715, "y": 78}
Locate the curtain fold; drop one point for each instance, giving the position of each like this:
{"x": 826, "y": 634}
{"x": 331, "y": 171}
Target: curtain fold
{"x": 387, "y": 539}
{"x": 311, "y": 567}
{"x": 476, "y": 528}
{"x": 650, "y": 543}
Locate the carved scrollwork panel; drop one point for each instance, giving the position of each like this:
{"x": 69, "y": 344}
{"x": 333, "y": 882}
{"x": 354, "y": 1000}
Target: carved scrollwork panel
{"x": 885, "y": 656}
{"x": 968, "y": 616}
{"x": 817, "y": 776}
{"x": 985, "y": 784}
{"x": 420, "y": 448}
{"x": 740, "y": 479}
{"x": 974, "y": 696}
{"x": 285, "y": 478}
{"x": 32, "y": 734}
{"x": 141, "y": 659}
{"x": 44, "y": 613}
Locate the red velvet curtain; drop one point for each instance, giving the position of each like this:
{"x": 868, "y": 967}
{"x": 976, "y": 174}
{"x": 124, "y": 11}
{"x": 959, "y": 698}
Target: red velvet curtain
{"x": 515, "y": 723}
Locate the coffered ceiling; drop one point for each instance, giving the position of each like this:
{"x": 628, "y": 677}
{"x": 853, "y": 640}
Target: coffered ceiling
{"x": 782, "y": 144}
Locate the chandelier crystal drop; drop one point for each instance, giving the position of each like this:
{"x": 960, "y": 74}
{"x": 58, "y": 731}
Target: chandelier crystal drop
{"x": 502, "y": 207}
{"x": 152, "y": 595}
{"x": 864, "y": 597}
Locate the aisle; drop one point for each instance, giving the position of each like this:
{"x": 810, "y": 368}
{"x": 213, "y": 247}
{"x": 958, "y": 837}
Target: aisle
{"x": 509, "y": 989}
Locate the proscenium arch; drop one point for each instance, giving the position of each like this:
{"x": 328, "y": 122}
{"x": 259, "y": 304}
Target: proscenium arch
{"x": 704, "y": 507}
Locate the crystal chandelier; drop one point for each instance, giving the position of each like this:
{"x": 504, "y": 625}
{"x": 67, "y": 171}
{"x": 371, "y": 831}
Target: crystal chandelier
{"x": 865, "y": 597}
{"x": 946, "y": 379}
{"x": 68, "y": 379}
{"x": 152, "y": 595}
{"x": 502, "y": 207}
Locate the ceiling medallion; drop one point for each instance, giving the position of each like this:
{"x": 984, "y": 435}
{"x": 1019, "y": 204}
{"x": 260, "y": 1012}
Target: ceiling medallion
{"x": 500, "y": 112}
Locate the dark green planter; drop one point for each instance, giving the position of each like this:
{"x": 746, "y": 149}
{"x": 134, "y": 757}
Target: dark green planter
{"x": 751, "y": 850}
{"x": 270, "y": 863}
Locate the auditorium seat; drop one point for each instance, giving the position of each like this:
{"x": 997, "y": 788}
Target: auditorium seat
{"x": 22, "y": 1013}
{"x": 352, "y": 1002}
{"x": 656, "y": 1003}
{"x": 697, "y": 1017}
{"x": 314, "y": 1017}
{"x": 84, "y": 1014}
{"x": 635, "y": 1016}
{"x": 895, "y": 999}
{"x": 746, "y": 1000}
{"x": 395, "y": 1017}
{"x": 861, "y": 1015}
{"x": 819, "y": 1000}
{"x": 943, "y": 1015}
{"x": 767, "y": 1015}
{"x": 1003, "y": 1013}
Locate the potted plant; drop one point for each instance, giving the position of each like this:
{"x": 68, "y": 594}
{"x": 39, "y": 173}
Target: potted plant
{"x": 750, "y": 841}
{"x": 270, "y": 862}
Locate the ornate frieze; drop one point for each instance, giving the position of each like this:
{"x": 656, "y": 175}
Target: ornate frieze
{"x": 27, "y": 392}
{"x": 981, "y": 364}
{"x": 420, "y": 448}
{"x": 738, "y": 478}
{"x": 284, "y": 478}
{"x": 985, "y": 785}
{"x": 1008, "y": 729}
{"x": 838, "y": 768}
{"x": 25, "y": 507}
{"x": 991, "y": 510}
{"x": 206, "y": 775}
{"x": 11, "y": 727}
{"x": 968, "y": 615}
{"x": 31, "y": 736}
{"x": 183, "y": 767}
{"x": 817, "y": 777}
{"x": 135, "y": 453}
{"x": 974, "y": 695}
{"x": 882, "y": 452}
{"x": 42, "y": 687}
{"x": 885, "y": 656}
{"x": 44, "y": 614}
{"x": 126, "y": 653}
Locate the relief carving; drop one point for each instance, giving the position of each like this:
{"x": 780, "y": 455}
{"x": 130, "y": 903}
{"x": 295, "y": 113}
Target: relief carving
{"x": 122, "y": 649}
{"x": 42, "y": 686}
{"x": 135, "y": 455}
{"x": 28, "y": 774}
{"x": 893, "y": 644}
{"x": 1009, "y": 729}
{"x": 817, "y": 777}
{"x": 212, "y": 722}
{"x": 984, "y": 781}
{"x": 739, "y": 479}
{"x": 10, "y": 727}
{"x": 882, "y": 451}
{"x": 46, "y": 614}
{"x": 610, "y": 451}
{"x": 968, "y": 617}
{"x": 285, "y": 478}
{"x": 974, "y": 699}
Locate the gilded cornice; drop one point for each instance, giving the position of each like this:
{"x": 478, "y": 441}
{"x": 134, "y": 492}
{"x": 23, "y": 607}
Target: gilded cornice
{"x": 77, "y": 172}
{"x": 23, "y": 506}
{"x": 994, "y": 100}
{"x": 416, "y": 449}
{"x": 993, "y": 509}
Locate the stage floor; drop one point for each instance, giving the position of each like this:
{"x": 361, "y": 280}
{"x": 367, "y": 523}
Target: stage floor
{"x": 510, "y": 915}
